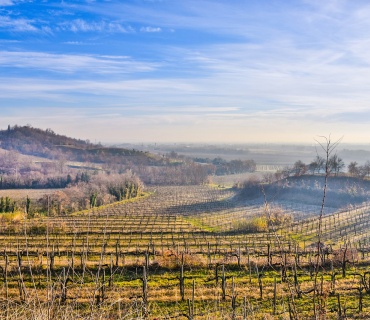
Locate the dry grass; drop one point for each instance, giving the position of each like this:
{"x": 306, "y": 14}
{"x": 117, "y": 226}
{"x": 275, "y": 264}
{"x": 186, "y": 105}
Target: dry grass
{"x": 21, "y": 194}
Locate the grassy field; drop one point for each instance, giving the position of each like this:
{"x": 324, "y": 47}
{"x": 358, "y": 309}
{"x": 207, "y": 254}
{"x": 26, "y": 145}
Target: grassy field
{"x": 177, "y": 254}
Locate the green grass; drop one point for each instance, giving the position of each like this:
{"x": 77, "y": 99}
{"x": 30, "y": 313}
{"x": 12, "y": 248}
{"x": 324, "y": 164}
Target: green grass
{"x": 198, "y": 223}
{"x": 142, "y": 196}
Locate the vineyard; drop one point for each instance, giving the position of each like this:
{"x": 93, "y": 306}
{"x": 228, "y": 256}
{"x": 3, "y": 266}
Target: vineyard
{"x": 181, "y": 252}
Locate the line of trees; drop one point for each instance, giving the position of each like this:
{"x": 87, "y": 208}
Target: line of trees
{"x": 6, "y": 205}
{"x": 186, "y": 173}
{"x": 234, "y": 166}
{"x": 335, "y": 165}
{"x": 94, "y": 191}
{"x": 48, "y": 144}
{"x": 39, "y": 181}
{"x": 356, "y": 170}
{"x": 101, "y": 189}
{"x": 220, "y": 166}
{"x": 318, "y": 165}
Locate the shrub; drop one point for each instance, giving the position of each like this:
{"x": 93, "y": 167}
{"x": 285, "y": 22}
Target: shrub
{"x": 12, "y": 217}
{"x": 277, "y": 217}
{"x": 37, "y": 229}
{"x": 256, "y": 224}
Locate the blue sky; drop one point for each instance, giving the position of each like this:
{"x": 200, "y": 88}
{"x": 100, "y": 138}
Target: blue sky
{"x": 194, "y": 70}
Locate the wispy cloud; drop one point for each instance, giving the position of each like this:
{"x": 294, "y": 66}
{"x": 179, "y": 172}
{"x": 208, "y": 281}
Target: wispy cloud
{"x": 68, "y": 63}
{"x": 19, "y": 25}
{"x": 150, "y": 29}
{"x": 80, "y": 25}
{"x": 6, "y": 3}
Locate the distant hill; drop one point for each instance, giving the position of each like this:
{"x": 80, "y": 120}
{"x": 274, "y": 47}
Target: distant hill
{"x": 47, "y": 144}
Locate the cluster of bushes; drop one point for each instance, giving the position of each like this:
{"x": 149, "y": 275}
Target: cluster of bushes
{"x": 186, "y": 173}
{"x": 256, "y": 224}
{"x": 124, "y": 190}
{"x": 220, "y": 166}
{"x": 224, "y": 167}
{"x": 101, "y": 189}
{"x": 274, "y": 217}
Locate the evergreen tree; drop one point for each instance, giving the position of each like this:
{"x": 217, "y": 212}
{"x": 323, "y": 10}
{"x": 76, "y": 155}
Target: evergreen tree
{"x": 28, "y": 205}
{"x": 7, "y": 205}
{"x": 93, "y": 200}
{"x": 69, "y": 179}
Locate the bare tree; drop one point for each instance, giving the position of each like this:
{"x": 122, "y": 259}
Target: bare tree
{"x": 353, "y": 169}
{"x": 328, "y": 147}
{"x": 336, "y": 164}
{"x": 317, "y": 165}
{"x": 299, "y": 168}
{"x": 366, "y": 169}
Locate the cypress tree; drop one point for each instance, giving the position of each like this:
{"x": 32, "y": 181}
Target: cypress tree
{"x": 69, "y": 179}
{"x": 28, "y": 204}
{"x": 7, "y": 205}
{"x": 93, "y": 200}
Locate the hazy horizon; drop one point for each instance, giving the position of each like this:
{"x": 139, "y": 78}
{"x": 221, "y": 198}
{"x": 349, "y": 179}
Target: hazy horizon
{"x": 187, "y": 71}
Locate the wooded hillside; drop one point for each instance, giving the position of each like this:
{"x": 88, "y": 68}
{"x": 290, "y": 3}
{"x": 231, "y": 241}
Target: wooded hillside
{"x": 48, "y": 144}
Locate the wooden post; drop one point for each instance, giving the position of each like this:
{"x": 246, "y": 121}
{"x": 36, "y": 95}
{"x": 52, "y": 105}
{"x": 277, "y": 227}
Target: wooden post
{"x": 249, "y": 267}
{"x": 360, "y": 299}
{"x": 268, "y": 254}
{"x": 111, "y": 271}
{"x": 190, "y": 314}
{"x": 145, "y": 287}
{"x": 259, "y": 276}
{"x": 223, "y": 283}
{"x": 274, "y": 301}
{"x": 245, "y": 308}
{"x": 339, "y": 307}
{"x": 6, "y": 276}
{"x": 182, "y": 283}
{"x": 117, "y": 254}
{"x": 193, "y": 299}
{"x": 233, "y": 298}
{"x": 64, "y": 287}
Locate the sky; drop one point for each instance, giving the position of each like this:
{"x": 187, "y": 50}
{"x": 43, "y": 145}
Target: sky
{"x": 224, "y": 71}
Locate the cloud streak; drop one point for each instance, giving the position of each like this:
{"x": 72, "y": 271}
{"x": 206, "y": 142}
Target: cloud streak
{"x": 80, "y": 25}
{"x": 73, "y": 63}
{"x": 150, "y": 29}
{"x": 18, "y": 25}
{"x": 6, "y": 3}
